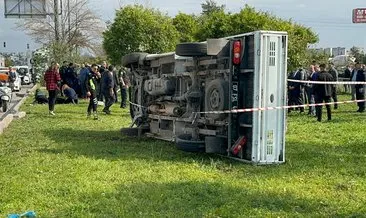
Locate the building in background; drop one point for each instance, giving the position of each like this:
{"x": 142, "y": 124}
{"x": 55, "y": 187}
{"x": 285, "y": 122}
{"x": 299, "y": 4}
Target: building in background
{"x": 328, "y": 51}
{"x": 332, "y": 52}
{"x": 2, "y": 61}
{"x": 338, "y": 51}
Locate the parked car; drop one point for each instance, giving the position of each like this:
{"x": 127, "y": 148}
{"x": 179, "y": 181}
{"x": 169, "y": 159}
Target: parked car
{"x": 185, "y": 96}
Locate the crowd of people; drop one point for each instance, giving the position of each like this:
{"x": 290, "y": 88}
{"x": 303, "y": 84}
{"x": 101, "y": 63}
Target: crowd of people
{"x": 301, "y": 93}
{"x": 97, "y": 83}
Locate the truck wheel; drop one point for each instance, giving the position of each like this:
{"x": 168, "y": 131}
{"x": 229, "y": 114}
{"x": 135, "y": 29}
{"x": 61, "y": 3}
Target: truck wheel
{"x": 5, "y": 106}
{"x": 194, "y": 49}
{"x": 217, "y": 97}
{"x": 186, "y": 143}
{"x": 136, "y": 57}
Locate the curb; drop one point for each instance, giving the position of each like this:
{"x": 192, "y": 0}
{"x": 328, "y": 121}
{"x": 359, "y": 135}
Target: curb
{"x": 6, "y": 122}
{"x": 20, "y": 114}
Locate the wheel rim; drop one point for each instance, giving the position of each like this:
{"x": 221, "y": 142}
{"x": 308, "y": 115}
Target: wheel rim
{"x": 215, "y": 99}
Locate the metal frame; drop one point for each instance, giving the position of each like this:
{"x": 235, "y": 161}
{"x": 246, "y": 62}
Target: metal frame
{"x": 19, "y": 9}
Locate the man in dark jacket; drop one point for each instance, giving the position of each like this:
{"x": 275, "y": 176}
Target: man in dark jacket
{"x": 71, "y": 76}
{"x": 347, "y": 76}
{"x": 360, "y": 89}
{"x": 334, "y": 74}
{"x": 107, "y": 89}
{"x": 323, "y": 92}
{"x": 124, "y": 84}
{"x": 63, "y": 71}
{"x": 296, "y": 90}
{"x": 116, "y": 85}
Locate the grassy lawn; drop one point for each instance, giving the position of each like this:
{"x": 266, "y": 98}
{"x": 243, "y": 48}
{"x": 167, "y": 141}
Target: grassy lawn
{"x": 69, "y": 166}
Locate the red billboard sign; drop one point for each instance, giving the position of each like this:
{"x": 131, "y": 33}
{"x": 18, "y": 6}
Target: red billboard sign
{"x": 359, "y": 15}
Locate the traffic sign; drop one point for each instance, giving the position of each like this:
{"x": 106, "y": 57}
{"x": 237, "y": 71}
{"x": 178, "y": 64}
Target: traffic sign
{"x": 359, "y": 15}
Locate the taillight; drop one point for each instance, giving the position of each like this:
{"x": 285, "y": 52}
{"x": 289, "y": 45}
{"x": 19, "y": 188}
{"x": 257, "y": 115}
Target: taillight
{"x": 237, "y": 52}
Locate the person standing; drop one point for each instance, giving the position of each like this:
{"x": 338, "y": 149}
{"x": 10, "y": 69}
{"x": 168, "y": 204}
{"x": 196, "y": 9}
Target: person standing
{"x": 297, "y": 89}
{"x": 52, "y": 79}
{"x": 82, "y": 78}
{"x": 360, "y": 88}
{"x": 103, "y": 67}
{"x": 353, "y": 79}
{"x": 323, "y": 92}
{"x": 107, "y": 89}
{"x": 123, "y": 83}
{"x": 347, "y": 75}
{"x": 115, "y": 85}
{"x": 312, "y": 77}
{"x": 334, "y": 74}
{"x": 63, "y": 71}
{"x": 91, "y": 83}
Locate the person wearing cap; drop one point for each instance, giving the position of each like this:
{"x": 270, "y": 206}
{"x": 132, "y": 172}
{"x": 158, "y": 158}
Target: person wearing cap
{"x": 323, "y": 92}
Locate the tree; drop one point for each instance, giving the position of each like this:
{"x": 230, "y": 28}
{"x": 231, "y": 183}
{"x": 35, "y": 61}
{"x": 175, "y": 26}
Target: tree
{"x": 211, "y": 6}
{"x": 187, "y": 26}
{"x": 77, "y": 27}
{"x": 219, "y": 24}
{"x": 8, "y": 62}
{"x": 216, "y": 24}
{"x": 139, "y": 29}
{"x": 358, "y": 53}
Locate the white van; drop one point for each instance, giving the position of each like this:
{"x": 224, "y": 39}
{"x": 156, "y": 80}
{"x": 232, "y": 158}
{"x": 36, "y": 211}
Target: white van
{"x": 24, "y": 74}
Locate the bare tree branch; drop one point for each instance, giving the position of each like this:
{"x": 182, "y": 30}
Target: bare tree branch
{"x": 83, "y": 31}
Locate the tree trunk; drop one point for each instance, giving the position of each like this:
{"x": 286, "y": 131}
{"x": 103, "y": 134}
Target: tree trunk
{"x": 56, "y": 20}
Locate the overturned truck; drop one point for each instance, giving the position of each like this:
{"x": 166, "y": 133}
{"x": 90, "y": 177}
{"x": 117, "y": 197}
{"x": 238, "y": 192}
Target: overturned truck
{"x": 190, "y": 96}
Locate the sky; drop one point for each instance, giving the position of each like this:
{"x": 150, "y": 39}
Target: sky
{"x": 330, "y": 19}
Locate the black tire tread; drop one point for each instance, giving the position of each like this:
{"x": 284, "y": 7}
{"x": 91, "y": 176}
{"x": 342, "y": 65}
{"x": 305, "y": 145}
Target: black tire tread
{"x": 185, "y": 143}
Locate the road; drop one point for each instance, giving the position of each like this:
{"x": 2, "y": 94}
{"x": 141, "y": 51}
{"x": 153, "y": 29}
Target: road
{"x": 15, "y": 100}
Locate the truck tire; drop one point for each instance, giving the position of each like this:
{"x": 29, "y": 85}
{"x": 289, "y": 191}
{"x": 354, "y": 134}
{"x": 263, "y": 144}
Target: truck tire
{"x": 186, "y": 143}
{"x": 194, "y": 49}
{"x": 217, "y": 97}
{"x": 132, "y": 58}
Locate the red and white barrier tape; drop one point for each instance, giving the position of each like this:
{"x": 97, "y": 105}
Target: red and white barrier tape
{"x": 235, "y": 111}
{"x": 321, "y": 82}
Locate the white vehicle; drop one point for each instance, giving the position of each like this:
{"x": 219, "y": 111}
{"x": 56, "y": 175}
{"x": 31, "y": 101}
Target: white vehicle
{"x": 17, "y": 84}
{"x": 24, "y": 74}
{"x": 184, "y": 96}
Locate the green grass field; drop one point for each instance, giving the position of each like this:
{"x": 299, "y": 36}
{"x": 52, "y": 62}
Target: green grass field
{"x": 69, "y": 166}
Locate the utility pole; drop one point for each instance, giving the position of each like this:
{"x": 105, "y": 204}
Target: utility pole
{"x": 56, "y": 20}
{"x": 69, "y": 19}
